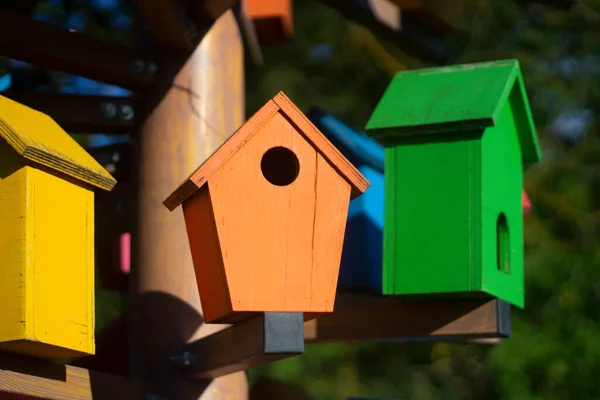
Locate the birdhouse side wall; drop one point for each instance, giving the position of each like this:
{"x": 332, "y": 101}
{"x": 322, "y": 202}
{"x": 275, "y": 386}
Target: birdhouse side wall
{"x": 281, "y": 243}
{"x": 206, "y": 256}
{"x": 502, "y": 218}
{"x": 432, "y": 214}
{"x": 362, "y": 262}
{"x": 14, "y": 244}
{"x": 49, "y": 279}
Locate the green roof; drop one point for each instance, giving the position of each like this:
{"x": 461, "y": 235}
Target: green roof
{"x": 454, "y": 99}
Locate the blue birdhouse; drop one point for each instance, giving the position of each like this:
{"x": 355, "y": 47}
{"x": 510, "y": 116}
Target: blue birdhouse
{"x": 362, "y": 264}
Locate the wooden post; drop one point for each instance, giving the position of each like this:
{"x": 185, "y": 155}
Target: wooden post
{"x": 199, "y": 106}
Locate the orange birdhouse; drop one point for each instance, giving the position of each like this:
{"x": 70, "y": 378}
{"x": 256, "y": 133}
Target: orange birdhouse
{"x": 266, "y": 215}
{"x": 272, "y": 19}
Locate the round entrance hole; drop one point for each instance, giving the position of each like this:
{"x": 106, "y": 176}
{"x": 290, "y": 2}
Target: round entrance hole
{"x": 280, "y": 166}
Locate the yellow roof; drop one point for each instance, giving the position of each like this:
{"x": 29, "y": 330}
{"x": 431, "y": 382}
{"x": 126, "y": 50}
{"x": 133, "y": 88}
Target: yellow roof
{"x": 36, "y": 137}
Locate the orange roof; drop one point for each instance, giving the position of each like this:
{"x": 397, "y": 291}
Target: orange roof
{"x": 282, "y": 104}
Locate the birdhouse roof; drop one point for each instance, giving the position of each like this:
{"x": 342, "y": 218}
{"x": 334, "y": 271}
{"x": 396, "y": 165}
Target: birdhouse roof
{"x": 355, "y": 145}
{"x": 36, "y": 137}
{"x": 455, "y": 99}
{"x": 279, "y": 104}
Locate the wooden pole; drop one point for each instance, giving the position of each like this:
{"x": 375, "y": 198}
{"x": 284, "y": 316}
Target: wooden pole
{"x": 190, "y": 113}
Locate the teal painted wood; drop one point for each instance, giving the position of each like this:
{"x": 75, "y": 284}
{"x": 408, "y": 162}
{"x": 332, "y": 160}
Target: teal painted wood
{"x": 456, "y": 140}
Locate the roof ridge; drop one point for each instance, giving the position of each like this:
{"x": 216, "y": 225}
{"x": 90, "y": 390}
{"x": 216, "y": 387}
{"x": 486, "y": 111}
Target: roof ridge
{"x": 280, "y": 103}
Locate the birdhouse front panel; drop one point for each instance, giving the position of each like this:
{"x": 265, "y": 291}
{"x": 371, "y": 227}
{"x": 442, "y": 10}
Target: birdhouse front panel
{"x": 456, "y": 141}
{"x": 274, "y": 230}
{"x": 266, "y": 216}
{"x": 431, "y": 212}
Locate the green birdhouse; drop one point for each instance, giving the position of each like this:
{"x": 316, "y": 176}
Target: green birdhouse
{"x": 456, "y": 140}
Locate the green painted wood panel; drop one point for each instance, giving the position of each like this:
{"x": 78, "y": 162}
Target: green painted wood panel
{"x": 432, "y": 214}
{"x": 453, "y": 99}
{"x": 501, "y": 195}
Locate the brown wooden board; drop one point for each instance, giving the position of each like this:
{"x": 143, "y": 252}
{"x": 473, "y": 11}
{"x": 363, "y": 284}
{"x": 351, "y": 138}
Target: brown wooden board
{"x": 50, "y": 46}
{"x": 82, "y": 114}
{"x": 25, "y": 376}
{"x": 257, "y": 341}
{"x": 377, "y": 318}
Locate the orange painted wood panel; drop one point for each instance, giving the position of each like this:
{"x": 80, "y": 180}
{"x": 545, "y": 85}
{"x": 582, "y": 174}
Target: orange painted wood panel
{"x": 273, "y": 19}
{"x": 266, "y": 231}
{"x": 206, "y": 255}
{"x": 280, "y": 103}
{"x": 331, "y": 211}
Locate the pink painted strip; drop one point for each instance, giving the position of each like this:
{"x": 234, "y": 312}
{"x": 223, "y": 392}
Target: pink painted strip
{"x": 526, "y": 203}
{"x": 125, "y": 244}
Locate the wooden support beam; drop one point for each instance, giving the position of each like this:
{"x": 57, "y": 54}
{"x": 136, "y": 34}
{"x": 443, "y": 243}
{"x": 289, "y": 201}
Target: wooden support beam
{"x": 402, "y": 29}
{"x": 370, "y": 318}
{"x": 260, "y": 340}
{"x": 25, "y": 376}
{"x": 187, "y": 116}
{"x": 50, "y": 46}
{"x": 82, "y": 114}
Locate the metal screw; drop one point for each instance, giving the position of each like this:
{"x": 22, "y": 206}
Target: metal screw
{"x": 109, "y": 110}
{"x": 183, "y": 359}
{"x": 126, "y": 111}
{"x": 151, "y": 69}
{"x": 139, "y": 66}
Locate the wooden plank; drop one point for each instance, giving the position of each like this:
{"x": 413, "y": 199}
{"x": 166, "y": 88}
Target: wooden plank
{"x": 377, "y": 318}
{"x": 402, "y": 29}
{"x": 52, "y": 47}
{"x": 257, "y": 341}
{"x": 25, "y": 376}
{"x": 189, "y": 114}
{"x": 82, "y": 114}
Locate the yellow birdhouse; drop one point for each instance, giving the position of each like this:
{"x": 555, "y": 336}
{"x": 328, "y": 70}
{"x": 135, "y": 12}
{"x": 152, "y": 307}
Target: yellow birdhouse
{"x": 46, "y": 236}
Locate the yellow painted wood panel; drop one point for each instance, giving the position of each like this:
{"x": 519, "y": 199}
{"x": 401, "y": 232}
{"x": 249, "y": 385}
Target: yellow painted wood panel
{"x": 13, "y": 243}
{"x": 46, "y": 261}
{"x": 63, "y": 287}
{"x": 37, "y": 137}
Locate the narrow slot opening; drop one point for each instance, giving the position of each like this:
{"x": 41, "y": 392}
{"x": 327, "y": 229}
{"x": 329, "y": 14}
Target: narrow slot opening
{"x": 503, "y": 244}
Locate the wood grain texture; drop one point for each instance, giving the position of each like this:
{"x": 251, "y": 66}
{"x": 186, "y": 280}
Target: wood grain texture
{"x": 206, "y": 254}
{"x": 80, "y": 114}
{"x": 385, "y": 318}
{"x": 282, "y": 104}
{"x": 47, "y": 263}
{"x": 50, "y": 46}
{"x": 202, "y": 105}
{"x": 272, "y": 270}
{"x": 33, "y": 378}
{"x": 344, "y": 167}
{"x": 245, "y": 345}
{"x": 36, "y": 137}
